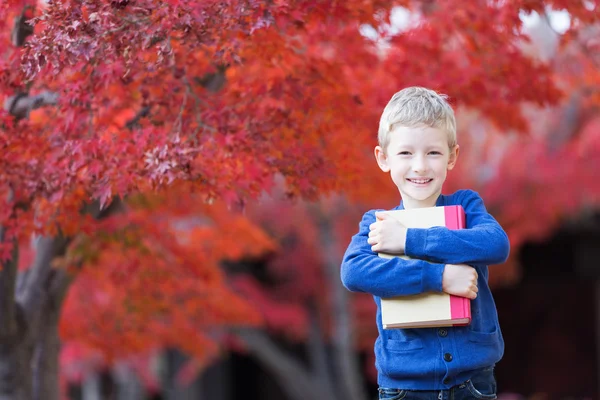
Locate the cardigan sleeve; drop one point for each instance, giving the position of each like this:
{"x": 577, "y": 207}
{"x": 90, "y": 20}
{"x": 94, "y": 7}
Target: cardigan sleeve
{"x": 482, "y": 242}
{"x": 362, "y": 270}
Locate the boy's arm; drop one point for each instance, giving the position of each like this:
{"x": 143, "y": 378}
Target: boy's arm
{"x": 364, "y": 271}
{"x": 483, "y": 242}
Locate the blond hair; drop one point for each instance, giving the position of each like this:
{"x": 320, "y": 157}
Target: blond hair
{"x": 414, "y": 106}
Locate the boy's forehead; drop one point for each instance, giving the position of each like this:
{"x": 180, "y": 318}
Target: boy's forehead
{"x": 418, "y": 134}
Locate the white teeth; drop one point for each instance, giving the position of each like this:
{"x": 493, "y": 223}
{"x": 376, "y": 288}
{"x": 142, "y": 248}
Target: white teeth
{"x": 420, "y": 181}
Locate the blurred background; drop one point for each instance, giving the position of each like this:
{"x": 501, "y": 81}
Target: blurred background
{"x": 181, "y": 178}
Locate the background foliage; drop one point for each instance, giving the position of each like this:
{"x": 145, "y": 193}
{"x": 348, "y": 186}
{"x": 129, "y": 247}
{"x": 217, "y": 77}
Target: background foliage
{"x": 199, "y": 167}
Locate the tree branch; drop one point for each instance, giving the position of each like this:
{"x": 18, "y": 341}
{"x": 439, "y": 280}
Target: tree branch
{"x": 135, "y": 121}
{"x": 294, "y": 379}
{"x": 21, "y": 29}
{"x": 34, "y": 295}
{"x": 569, "y": 124}
{"x": 42, "y": 283}
{"x": 213, "y": 81}
{"x": 21, "y": 104}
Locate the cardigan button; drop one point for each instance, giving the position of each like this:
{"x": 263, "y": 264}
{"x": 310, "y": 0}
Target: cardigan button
{"x": 448, "y": 357}
{"x": 446, "y": 381}
{"x": 443, "y": 332}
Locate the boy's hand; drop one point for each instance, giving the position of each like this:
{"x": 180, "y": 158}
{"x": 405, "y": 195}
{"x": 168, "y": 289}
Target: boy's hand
{"x": 460, "y": 280}
{"x": 387, "y": 235}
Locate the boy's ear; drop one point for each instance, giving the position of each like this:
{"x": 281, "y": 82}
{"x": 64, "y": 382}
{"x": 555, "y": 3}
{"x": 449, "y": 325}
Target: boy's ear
{"x": 453, "y": 157}
{"x": 381, "y": 159}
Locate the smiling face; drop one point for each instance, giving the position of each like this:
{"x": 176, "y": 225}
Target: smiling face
{"x": 417, "y": 159}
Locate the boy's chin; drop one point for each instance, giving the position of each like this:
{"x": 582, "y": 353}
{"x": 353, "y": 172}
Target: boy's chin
{"x": 418, "y": 196}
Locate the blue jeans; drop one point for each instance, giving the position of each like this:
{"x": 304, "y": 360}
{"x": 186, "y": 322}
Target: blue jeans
{"x": 481, "y": 386}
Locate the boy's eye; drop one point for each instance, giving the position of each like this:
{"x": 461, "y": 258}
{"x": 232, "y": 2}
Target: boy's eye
{"x": 404, "y": 153}
{"x": 435, "y": 153}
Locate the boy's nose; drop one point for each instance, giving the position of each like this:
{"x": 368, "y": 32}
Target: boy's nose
{"x": 419, "y": 164}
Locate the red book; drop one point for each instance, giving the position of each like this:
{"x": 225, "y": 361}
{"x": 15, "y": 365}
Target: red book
{"x": 430, "y": 309}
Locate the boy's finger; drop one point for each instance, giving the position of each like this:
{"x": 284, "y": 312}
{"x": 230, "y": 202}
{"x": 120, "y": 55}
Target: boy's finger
{"x": 381, "y": 215}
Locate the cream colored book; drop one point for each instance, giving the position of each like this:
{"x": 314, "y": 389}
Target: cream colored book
{"x": 427, "y": 309}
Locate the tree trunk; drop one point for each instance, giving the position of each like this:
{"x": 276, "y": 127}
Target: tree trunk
{"x": 29, "y": 344}
{"x": 350, "y": 380}
{"x": 29, "y": 311}
{"x": 15, "y": 372}
{"x": 29, "y": 317}
{"x": 318, "y": 356}
{"x": 45, "y": 377}
{"x": 296, "y": 381}
{"x": 316, "y": 380}
{"x": 128, "y": 384}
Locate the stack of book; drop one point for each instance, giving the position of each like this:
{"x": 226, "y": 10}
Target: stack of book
{"x": 426, "y": 310}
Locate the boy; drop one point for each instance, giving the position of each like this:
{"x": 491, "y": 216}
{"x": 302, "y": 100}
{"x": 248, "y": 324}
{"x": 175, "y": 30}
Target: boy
{"x": 417, "y": 146}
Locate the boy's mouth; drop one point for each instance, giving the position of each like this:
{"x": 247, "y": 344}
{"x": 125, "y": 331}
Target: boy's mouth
{"x": 420, "y": 181}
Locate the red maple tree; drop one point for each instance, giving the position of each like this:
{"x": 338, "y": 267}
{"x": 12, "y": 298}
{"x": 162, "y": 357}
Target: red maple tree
{"x": 201, "y": 107}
